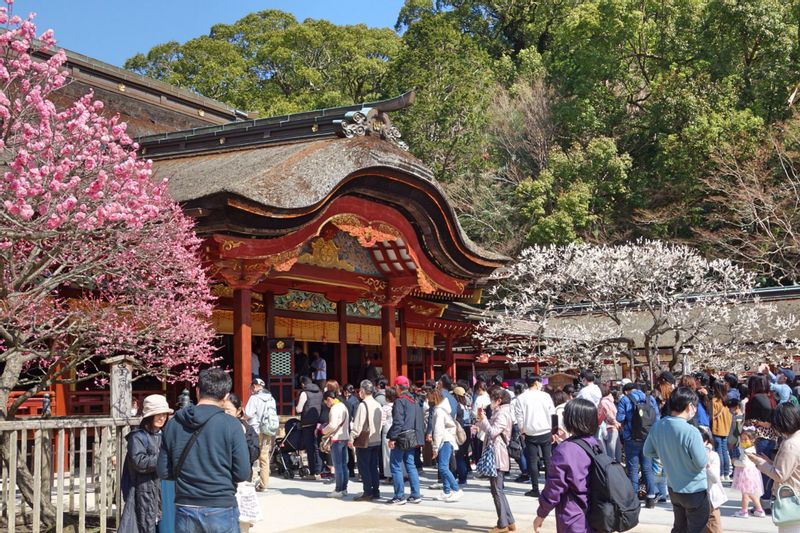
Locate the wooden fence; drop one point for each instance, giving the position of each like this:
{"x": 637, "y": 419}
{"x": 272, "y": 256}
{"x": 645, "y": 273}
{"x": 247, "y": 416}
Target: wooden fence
{"x": 76, "y": 465}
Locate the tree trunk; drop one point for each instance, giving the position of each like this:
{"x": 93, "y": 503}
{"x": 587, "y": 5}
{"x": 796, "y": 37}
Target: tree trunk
{"x": 26, "y": 487}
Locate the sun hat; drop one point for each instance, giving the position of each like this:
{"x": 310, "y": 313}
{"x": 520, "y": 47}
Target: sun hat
{"x": 155, "y": 404}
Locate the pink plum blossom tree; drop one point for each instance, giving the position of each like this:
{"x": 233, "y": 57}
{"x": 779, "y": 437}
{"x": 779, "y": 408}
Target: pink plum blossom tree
{"x": 95, "y": 258}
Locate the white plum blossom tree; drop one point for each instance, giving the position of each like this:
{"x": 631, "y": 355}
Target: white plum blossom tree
{"x": 579, "y": 304}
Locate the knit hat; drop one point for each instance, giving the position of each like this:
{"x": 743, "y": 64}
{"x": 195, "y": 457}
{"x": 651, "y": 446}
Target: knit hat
{"x": 155, "y": 404}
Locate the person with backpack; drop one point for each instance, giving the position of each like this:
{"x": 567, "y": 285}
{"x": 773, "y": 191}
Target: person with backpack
{"x": 680, "y": 447}
{"x": 584, "y": 485}
{"x": 262, "y": 414}
{"x": 638, "y": 412}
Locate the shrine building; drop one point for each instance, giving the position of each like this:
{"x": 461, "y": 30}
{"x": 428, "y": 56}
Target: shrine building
{"x": 322, "y": 233}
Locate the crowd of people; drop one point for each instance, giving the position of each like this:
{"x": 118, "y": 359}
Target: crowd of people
{"x": 680, "y": 440}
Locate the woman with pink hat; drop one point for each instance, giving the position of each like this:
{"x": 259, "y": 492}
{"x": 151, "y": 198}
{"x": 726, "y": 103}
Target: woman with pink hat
{"x": 141, "y": 486}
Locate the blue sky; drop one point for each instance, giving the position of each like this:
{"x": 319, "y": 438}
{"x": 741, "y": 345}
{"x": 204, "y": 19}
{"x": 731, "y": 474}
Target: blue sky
{"x": 114, "y": 30}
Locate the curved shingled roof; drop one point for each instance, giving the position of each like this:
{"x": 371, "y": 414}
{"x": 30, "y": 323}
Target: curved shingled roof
{"x": 266, "y": 177}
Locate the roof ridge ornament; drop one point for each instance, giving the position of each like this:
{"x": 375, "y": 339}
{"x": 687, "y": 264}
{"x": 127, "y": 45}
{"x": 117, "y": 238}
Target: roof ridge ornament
{"x": 370, "y": 121}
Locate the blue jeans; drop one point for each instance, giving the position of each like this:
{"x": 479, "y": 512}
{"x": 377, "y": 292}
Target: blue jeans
{"x": 397, "y": 459}
{"x": 368, "y": 467}
{"x": 721, "y": 447}
{"x": 443, "y": 462}
{"x": 339, "y": 457}
{"x": 766, "y": 447}
{"x": 461, "y": 462}
{"x": 634, "y": 455}
{"x": 206, "y": 519}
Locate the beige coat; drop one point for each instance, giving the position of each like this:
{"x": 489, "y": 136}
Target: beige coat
{"x": 444, "y": 427}
{"x": 785, "y": 469}
{"x": 370, "y": 410}
{"x": 501, "y": 423}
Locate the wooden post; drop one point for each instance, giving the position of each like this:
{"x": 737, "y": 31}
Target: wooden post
{"x": 427, "y": 371}
{"x": 403, "y": 343}
{"x": 389, "y": 343}
{"x": 449, "y": 358}
{"x": 242, "y": 343}
{"x": 121, "y": 372}
{"x": 341, "y": 312}
{"x": 60, "y": 391}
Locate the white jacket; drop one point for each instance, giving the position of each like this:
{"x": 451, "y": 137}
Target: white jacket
{"x": 444, "y": 427}
{"x": 533, "y": 412}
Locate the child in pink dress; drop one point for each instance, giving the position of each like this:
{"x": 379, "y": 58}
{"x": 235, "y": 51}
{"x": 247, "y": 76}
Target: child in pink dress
{"x": 746, "y": 477}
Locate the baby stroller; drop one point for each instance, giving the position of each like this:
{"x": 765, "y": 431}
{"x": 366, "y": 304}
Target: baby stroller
{"x": 286, "y": 456}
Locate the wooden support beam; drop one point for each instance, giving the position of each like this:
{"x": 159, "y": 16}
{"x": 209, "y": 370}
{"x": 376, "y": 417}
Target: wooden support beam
{"x": 242, "y": 343}
{"x": 403, "y": 343}
{"x": 341, "y": 312}
{"x": 389, "y": 343}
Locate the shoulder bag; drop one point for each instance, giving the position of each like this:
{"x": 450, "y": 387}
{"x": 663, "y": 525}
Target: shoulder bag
{"x": 362, "y": 439}
{"x": 514, "y": 447}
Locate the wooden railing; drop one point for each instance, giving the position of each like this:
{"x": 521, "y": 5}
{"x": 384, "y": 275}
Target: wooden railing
{"x": 76, "y": 466}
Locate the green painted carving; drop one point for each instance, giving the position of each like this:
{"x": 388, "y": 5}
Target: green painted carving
{"x": 364, "y": 309}
{"x": 309, "y": 302}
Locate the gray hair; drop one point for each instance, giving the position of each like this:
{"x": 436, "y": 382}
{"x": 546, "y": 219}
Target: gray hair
{"x": 367, "y": 387}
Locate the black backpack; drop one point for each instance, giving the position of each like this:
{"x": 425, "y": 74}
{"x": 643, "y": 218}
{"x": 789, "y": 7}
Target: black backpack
{"x": 613, "y": 506}
{"x": 643, "y": 419}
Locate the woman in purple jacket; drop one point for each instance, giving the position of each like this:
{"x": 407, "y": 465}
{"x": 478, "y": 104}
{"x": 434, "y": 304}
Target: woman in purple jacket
{"x": 567, "y": 485}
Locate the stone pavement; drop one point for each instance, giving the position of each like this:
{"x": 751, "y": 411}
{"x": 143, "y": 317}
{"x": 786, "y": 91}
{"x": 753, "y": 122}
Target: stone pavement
{"x": 295, "y": 506}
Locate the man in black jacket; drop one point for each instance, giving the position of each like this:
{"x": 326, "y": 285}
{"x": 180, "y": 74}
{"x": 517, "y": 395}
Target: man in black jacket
{"x": 205, "y": 452}
{"x": 405, "y": 436}
{"x": 309, "y": 405}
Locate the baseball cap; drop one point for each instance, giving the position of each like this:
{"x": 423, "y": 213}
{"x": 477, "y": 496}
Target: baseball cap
{"x": 259, "y": 381}
{"x": 459, "y": 391}
{"x": 402, "y": 381}
{"x": 624, "y": 381}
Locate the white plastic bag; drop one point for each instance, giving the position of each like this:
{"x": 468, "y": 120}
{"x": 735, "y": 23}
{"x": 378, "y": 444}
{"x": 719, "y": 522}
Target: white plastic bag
{"x": 249, "y": 506}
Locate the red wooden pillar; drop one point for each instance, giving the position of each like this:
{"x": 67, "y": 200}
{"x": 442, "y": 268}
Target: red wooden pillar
{"x": 242, "y": 343}
{"x": 389, "y": 343}
{"x": 449, "y": 358}
{"x": 427, "y": 364}
{"x": 403, "y": 343}
{"x": 341, "y": 312}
